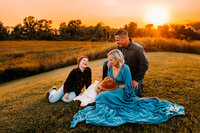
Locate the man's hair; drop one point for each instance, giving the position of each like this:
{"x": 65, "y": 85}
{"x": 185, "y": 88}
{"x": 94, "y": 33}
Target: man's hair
{"x": 121, "y": 32}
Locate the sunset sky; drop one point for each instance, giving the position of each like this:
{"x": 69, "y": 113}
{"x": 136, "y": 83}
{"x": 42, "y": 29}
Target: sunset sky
{"x": 115, "y": 13}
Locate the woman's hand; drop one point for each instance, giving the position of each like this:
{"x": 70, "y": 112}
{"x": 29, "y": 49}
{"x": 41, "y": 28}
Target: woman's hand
{"x": 122, "y": 86}
{"x": 66, "y": 95}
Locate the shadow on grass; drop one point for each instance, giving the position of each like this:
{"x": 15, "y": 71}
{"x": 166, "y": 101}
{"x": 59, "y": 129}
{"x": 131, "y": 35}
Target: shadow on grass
{"x": 43, "y": 116}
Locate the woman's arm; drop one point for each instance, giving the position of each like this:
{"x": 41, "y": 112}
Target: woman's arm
{"x": 128, "y": 90}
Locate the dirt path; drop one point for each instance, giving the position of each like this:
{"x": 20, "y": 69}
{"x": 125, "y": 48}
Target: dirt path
{"x": 46, "y": 79}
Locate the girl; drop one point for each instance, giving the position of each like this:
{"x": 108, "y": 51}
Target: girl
{"x": 73, "y": 85}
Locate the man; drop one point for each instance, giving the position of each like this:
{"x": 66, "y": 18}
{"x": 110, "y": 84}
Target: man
{"x": 134, "y": 57}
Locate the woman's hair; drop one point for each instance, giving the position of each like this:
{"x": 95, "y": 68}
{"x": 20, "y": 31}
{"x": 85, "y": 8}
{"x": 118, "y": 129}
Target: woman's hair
{"x": 80, "y": 58}
{"x": 117, "y": 54}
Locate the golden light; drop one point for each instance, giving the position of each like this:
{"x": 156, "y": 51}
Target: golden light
{"x": 157, "y": 15}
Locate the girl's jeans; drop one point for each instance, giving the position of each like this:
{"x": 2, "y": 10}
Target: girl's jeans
{"x": 59, "y": 94}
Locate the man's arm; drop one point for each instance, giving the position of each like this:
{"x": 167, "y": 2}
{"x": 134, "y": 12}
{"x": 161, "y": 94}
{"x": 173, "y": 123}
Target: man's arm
{"x": 143, "y": 65}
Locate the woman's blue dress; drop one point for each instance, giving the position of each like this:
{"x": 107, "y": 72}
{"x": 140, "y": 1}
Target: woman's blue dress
{"x": 116, "y": 107}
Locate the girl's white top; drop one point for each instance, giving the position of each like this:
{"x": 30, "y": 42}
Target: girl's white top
{"x": 88, "y": 96}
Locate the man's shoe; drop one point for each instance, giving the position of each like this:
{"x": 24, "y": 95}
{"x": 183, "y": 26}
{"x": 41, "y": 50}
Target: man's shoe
{"x": 47, "y": 93}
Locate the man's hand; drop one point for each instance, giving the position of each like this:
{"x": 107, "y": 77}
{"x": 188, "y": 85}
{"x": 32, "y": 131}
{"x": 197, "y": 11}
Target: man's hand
{"x": 135, "y": 84}
{"x": 66, "y": 95}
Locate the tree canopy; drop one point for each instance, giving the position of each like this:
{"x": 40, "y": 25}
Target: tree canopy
{"x": 34, "y": 29}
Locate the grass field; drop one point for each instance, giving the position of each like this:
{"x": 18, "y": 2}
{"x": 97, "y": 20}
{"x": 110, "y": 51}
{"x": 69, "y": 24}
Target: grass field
{"x": 171, "y": 76}
{"x": 25, "y": 58}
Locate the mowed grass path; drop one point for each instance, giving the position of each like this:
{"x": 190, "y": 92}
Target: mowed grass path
{"x": 171, "y": 76}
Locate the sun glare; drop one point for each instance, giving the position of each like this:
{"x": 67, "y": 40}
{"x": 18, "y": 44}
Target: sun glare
{"x": 157, "y": 15}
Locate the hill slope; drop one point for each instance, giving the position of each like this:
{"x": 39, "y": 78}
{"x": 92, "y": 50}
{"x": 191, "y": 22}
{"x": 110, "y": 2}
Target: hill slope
{"x": 171, "y": 76}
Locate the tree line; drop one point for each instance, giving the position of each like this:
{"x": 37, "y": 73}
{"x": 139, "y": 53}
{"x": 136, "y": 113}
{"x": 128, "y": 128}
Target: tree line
{"x": 33, "y": 29}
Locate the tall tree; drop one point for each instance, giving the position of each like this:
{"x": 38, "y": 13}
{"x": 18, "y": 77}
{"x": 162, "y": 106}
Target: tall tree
{"x": 149, "y": 30}
{"x": 195, "y": 26}
{"x": 30, "y": 27}
{"x": 99, "y": 33}
{"x": 74, "y": 29}
{"x": 17, "y": 32}
{"x": 178, "y": 31}
{"x": 132, "y": 27}
{"x": 44, "y": 25}
{"x": 44, "y": 30}
{"x": 164, "y": 31}
{"x": 3, "y": 32}
{"x": 63, "y": 31}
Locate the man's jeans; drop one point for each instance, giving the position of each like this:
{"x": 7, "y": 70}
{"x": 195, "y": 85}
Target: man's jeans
{"x": 105, "y": 71}
{"x": 59, "y": 94}
{"x": 138, "y": 91}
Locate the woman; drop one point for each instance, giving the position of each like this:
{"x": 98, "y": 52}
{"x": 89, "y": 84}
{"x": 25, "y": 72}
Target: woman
{"x": 116, "y": 107}
{"x": 73, "y": 85}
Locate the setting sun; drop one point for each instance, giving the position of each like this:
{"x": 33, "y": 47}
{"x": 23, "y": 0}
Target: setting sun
{"x": 157, "y": 15}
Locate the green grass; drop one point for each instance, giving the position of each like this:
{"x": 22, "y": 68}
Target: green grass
{"x": 171, "y": 76}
